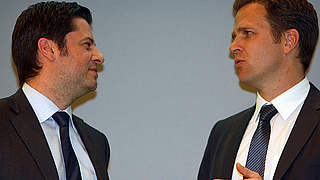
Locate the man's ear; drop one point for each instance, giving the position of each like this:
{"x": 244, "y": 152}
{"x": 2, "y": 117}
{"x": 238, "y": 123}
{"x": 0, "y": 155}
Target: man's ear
{"x": 47, "y": 48}
{"x": 291, "y": 39}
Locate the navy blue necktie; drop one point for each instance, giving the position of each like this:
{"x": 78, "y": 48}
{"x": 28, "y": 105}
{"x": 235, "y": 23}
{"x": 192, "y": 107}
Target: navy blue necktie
{"x": 70, "y": 159}
{"x": 260, "y": 140}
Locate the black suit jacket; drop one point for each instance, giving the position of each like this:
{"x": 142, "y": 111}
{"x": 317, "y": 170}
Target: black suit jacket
{"x": 24, "y": 151}
{"x": 299, "y": 160}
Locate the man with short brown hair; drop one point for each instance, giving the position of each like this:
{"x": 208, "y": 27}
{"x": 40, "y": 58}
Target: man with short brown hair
{"x": 57, "y": 59}
{"x": 273, "y": 42}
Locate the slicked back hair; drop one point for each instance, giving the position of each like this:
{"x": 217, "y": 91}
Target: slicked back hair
{"x": 51, "y": 20}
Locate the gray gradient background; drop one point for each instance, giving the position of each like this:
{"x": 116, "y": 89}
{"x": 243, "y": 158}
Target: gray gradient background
{"x": 167, "y": 79}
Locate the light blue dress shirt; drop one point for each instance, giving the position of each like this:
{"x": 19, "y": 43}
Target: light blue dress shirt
{"x": 44, "y": 108}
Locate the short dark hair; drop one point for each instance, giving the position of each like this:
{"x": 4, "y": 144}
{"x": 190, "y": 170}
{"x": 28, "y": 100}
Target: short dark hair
{"x": 51, "y": 20}
{"x": 290, "y": 14}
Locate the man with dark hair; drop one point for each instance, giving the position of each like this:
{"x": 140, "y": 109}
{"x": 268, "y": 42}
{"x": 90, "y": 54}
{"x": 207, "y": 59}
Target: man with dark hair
{"x": 56, "y": 58}
{"x": 273, "y": 42}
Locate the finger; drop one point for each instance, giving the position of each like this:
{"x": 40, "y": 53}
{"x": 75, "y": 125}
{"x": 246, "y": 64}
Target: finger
{"x": 247, "y": 173}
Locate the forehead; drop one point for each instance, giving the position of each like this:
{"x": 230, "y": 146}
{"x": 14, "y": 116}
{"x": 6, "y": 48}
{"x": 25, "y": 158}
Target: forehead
{"x": 81, "y": 31}
{"x": 252, "y": 14}
{"x": 81, "y": 24}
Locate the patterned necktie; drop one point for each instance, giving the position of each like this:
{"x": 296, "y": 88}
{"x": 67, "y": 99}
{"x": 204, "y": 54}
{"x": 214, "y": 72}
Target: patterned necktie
{"x": 70, "y": 159}
{"x": 260, "y": 140}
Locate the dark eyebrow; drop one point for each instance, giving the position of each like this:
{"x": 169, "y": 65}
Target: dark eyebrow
{"x": 244, "y": 29}
{"x": 89, "y": 39}
{"x": 241, "y": 29}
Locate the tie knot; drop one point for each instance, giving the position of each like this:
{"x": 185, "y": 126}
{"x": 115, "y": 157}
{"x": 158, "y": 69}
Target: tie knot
{"x": 62, "y": 119}
{"x": 267, "y": 112}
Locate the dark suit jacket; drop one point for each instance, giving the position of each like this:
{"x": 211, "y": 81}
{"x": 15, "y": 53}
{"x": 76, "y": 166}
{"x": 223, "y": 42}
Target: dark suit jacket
{"x": 24, "y": 151}
{"x": 300, "y": 158}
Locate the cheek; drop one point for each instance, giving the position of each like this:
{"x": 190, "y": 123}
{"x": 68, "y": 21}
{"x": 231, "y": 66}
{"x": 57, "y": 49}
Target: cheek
{"x": 260, "y": 51}
{"x": 85, "y": 58}
{"x": 82, "y": 60}
{"x": 79, "y": 62}
{"x": 82, "y": 68}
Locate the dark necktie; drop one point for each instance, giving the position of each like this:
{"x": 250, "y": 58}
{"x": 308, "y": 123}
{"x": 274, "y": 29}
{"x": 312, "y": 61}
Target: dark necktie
{"x": 70, "y": 159}
{"x": 260, "y": 140}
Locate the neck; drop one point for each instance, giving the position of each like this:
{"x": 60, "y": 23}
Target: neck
{"x": 58, "y": 96}
{"x": 288, "y": 73}
{"x": 280, "y": 86}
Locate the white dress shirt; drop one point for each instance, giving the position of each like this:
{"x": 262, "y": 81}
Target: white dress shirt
{"x": 44, "y": 108}
{"x": 288, "y": 105}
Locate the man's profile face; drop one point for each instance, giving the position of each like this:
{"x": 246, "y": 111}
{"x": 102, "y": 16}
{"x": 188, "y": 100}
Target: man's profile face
{"x": 257, "y": 58}
{"x": 78, "y": 67}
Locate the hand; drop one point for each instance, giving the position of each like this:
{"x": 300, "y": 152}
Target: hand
{"x": 247, "y": 173}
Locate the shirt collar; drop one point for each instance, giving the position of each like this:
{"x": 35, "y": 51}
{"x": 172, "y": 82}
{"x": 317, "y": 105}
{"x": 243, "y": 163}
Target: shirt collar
{"x": 287, "y": 102}
{"x": 43, "y": 107}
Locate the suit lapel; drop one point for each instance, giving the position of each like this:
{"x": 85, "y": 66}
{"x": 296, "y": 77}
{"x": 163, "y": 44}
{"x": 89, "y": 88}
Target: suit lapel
{"x": 91, "y": 148}
{"x": 302, "y": 130}
{"x": 232, "y": 142}
{"x": 29, "y": 130}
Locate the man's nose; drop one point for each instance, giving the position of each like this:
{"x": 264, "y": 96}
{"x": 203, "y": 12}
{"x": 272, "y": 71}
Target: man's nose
{"x": 98, "y": 57}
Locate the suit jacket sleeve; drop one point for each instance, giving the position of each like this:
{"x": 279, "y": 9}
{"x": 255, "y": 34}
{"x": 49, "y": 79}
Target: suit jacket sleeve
{"x": 222, "y": 147}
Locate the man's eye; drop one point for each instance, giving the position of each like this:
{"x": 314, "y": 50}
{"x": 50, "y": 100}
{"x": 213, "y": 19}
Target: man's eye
{"x": 248, "y": 32}
{"x": 233, "y": 37}
{"x": 87, "y": 45}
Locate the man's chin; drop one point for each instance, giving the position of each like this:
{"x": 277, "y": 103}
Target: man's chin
{"x": 243, "y": 77}
{"x": 93, "y": 87}
{"x": 246, "y": 84}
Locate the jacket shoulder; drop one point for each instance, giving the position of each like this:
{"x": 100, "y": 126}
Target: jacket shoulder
{"x": 230, "y": 121}
{"x": 9, "y": 104}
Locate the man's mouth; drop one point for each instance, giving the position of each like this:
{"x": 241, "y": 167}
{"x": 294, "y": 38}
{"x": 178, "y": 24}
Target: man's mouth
{"x": 93, "y": 69}
{"x": 238, "y": 61}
